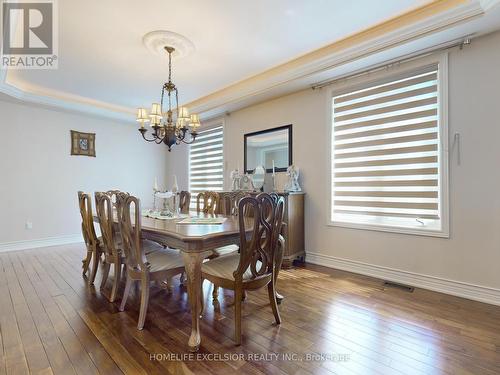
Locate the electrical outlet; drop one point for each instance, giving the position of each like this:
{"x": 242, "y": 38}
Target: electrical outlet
{"x": 29, "y": 225}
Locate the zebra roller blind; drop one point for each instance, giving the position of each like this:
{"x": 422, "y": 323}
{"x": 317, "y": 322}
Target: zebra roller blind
{"x": 206, "y": 162}
{"x": 386, "y": 152}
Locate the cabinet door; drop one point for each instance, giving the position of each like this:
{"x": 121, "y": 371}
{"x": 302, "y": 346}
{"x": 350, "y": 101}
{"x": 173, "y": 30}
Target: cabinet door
{"x": 295, "y": 221}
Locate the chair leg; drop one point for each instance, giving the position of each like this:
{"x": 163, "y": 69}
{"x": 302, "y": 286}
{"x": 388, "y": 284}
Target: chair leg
{"x": 237, "y": 316}
{"x": 126, "y": 292}
{"x": 86, "y": 262}
{"x": 144, "y": 302}
{"x": 116, "y": 282}
{"x": 95, "y": 265}
{"x": 272, "y": 299}
{"x": 215, "y": 295}
{"x": 105, "y": 274}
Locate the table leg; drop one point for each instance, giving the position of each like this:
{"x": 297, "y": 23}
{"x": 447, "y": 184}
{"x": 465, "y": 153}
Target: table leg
{"x": 192, "y": 262}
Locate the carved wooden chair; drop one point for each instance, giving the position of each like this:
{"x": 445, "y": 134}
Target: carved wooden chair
{"x": 113, "y": 254}
{"x": 113, "y": 194}
{"x": 255, "y": 266}
{"x": 145, "y": 260}
{"x": 231, "y": 201}
{"x": 207, "y": 202}
{"x": 92, "y": 242}
{"x": 230, "y": 208}
{"x": 184, "y": 201}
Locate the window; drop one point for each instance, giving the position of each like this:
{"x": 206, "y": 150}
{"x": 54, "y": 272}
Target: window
{"x": 206, "y": 162}
{"x": 388, "y": 165}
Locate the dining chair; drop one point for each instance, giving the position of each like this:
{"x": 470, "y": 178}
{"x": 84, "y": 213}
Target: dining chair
{"x": 145, "y": 260}
{"x": 184, "y": 202}
{"x": 207, "y": 202}
{"x": 255, "y": 266}
{"x": 230, "y": 208}
{"x": 231, "y": 201}
{"x": 92, "y": 242}
{"x": 113, "y": 254}
{"x": 113, "y": 194}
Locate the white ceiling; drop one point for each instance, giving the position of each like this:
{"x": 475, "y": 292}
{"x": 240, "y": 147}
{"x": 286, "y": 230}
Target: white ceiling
{"x": 102, "y": 58}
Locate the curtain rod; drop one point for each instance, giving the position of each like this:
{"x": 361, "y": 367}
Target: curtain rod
{"x": 460, "y": 42}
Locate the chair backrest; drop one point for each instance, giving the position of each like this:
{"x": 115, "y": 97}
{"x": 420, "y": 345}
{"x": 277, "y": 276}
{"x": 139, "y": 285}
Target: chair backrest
{"x": 88, "y": 230}
{"x": 104, "y": 209}
{"x": 130, "y": 230}
{"x": 113, "y": 194}
{"x": 184, "y": 201}
{"x": 210, "y": 201}
{"x": 257, "y": 249}
{"x": 231, "y": 201}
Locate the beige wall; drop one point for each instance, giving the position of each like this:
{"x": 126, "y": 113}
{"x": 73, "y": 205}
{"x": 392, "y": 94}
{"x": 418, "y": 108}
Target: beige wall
{"x": 40, "y": 180}
{"x": 472, "y": 254}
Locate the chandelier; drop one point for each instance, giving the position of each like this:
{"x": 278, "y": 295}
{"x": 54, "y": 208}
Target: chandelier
{"x": 164, "y": 128}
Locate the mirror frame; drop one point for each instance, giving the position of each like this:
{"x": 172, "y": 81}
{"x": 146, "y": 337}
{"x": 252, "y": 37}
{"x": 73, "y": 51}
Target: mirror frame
{"x": 290, "y": 142}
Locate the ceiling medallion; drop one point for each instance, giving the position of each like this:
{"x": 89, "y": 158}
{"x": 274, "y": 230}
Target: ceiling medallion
{"x": 156, "y": 41}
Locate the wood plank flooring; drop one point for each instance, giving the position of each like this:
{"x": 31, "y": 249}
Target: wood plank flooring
{"x": 334, "y": 322}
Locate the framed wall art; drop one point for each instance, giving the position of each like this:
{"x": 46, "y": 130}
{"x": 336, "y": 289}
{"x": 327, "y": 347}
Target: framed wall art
{"x": 82, "y": 143}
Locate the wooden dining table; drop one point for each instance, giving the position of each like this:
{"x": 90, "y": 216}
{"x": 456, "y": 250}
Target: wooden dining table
{"x": 195, "y": 241}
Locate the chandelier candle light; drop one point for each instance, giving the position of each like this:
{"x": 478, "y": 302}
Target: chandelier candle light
{"x": 165, "y": 129}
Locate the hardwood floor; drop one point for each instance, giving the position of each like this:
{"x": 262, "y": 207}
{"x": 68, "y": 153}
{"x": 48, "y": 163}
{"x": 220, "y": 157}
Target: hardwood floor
{"x": 52, "y": 322}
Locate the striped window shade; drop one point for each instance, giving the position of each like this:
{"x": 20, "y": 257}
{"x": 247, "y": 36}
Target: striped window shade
{"x": 386, "y": 153}
{"x": 206, "y": 162}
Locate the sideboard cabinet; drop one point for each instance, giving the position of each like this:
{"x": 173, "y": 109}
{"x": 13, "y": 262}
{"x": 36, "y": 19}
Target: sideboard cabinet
{"x": 294, "y": 231}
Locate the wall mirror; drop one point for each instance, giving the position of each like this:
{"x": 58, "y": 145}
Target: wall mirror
{"x": 258, "y": 177}
{"x": 265, "y": 146}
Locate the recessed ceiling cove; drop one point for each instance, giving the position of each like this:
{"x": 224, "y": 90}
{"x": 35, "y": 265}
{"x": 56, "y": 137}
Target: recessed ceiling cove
{"x": 156, "y": 41}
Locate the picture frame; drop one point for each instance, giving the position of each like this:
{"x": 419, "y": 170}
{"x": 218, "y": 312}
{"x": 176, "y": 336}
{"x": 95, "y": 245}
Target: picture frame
{"x": 82, "y": 143}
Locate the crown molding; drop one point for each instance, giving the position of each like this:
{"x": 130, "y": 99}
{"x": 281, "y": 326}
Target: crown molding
{"x": 431, "y": 18}
{"x": 488, "y": 4}
{"x": 61, "y": 100}
{"x": 421, "y": 22}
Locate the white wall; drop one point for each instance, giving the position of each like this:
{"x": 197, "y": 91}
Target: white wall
{"x": 472, "y": 253}
{"x": 39, "y": 179}
{"x": 178, "y": 164}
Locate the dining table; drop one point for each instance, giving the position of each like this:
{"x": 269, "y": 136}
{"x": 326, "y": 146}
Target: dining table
{"x": 195, "y": 241}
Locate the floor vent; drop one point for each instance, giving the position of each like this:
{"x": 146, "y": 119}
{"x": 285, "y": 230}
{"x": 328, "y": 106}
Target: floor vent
{"x": 406, "y": 288}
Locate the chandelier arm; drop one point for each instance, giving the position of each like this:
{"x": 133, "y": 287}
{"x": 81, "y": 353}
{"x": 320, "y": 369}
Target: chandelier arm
{"x": 162, "y": 139}
{"x": 181, "y": 135}
{"x": 191, "y": 141}
{"x": 143, "y": 133}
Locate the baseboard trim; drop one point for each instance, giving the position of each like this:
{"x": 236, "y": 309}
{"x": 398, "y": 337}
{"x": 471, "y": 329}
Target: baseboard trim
{"x": 41, "y": 242}
{"x": 452, "y": 287}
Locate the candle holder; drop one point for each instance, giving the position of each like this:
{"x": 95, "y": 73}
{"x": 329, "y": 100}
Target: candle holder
{"x": 154, "y": 198}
